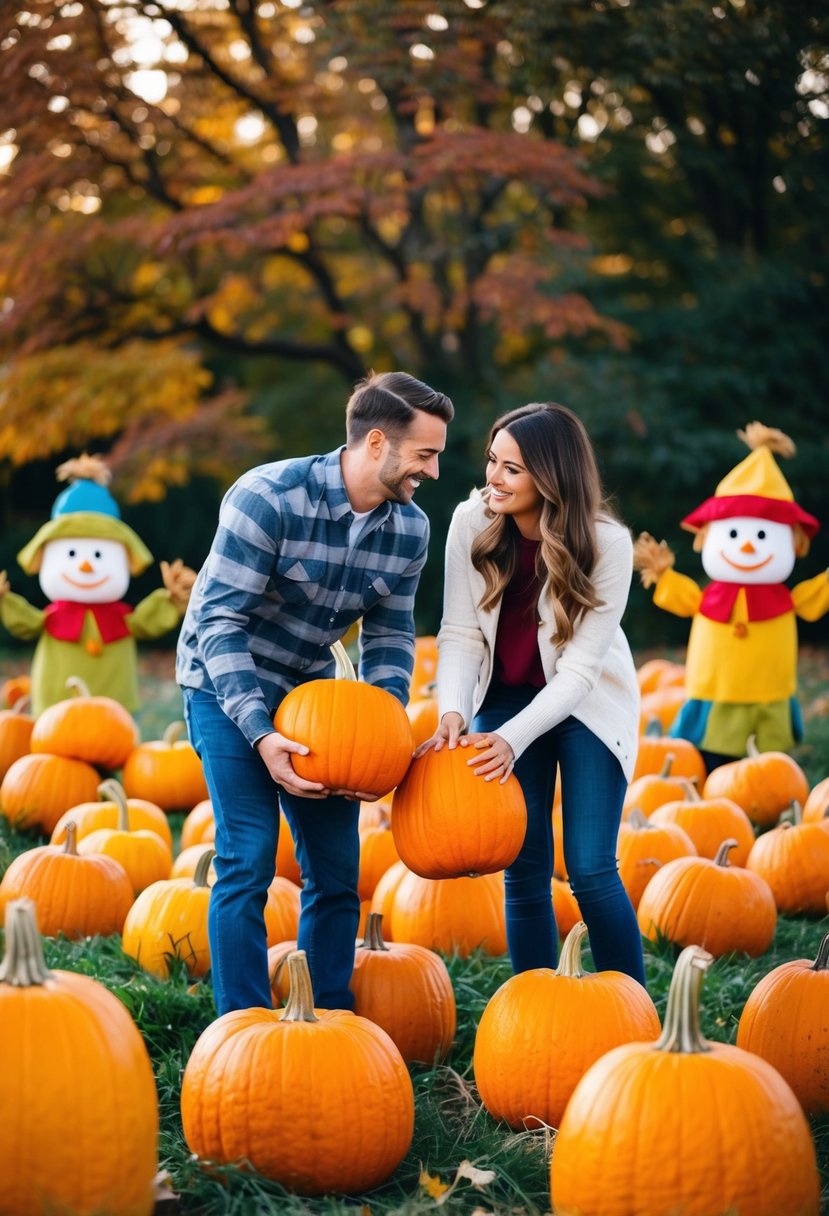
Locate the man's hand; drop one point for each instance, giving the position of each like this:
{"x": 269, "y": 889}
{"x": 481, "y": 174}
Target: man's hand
{"x": 276, "y": 752}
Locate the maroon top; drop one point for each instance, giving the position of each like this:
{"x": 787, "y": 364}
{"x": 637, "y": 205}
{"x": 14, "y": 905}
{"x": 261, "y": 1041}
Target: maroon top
{"x": 517, "y": 659}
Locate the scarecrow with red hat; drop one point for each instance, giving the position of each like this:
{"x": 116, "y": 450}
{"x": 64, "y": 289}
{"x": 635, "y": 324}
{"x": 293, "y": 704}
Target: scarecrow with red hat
{"x": 741, "y": 662}
{"x": 84, "y": 558}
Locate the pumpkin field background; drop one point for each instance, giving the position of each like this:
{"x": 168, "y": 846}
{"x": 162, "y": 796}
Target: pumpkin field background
{"x": 460, "y": 1157}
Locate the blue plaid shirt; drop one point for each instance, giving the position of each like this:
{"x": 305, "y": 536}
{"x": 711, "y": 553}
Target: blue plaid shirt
{"x": 281, "y": 583}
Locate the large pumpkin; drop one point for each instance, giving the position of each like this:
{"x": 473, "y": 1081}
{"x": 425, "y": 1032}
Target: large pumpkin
{"x": 447, "y": 821}
{"x": 542, "y": 1030}
{"x": 643, "y": 846}
{"x": 37, "y": 789}
{"x": 76, "y": 896}
{"x": 96, "y": 729}
{"x": 166, "y": 771}
{"x": 359, "y": 736}
{"x": 78, "y": 1105}
{"x": 794, "y": 860}
{"x": 696, "y": 900}
{"x": 319, "y": 1101}
{"x": 406, "y": 989}
{"x": 708, "y": 822}
{"x": 786, "y": 1021}
{"x": 764, "y": 784}
{"x": 169, "y": 920}
{"x": 453, "y": 915}
{"x": 683, "y": 1126}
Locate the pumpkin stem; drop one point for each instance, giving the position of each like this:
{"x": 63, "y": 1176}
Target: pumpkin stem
{"x": 667, "y": 764}
{"x": 200, "y": 876}
{"x": 21, "y": 704}
{"x": 112, "y": 791}
{"x": 299, "y": 1006}
{"x": 821, "y": 963}
{"x": 639, "y": 820}
{"x": 692, "y": 794}
{"x": 345, "y": 668}
{"x": 682, "y": 1031}
{"x": 722, "y": 852}
{"x": 751, "y": 746}
{"x": 794, "y": 813}
{"x": 374, "y": 933}
{"x": 570, "y": 962}
{"x": 173, "y": 733}
{"x": 24, "y": 965}
{"x": 70, "y": 844}
{"x": 77, "y": 687}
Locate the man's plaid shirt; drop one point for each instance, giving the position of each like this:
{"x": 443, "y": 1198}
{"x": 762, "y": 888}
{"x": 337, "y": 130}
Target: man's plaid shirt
{"x": 281, "y": 583}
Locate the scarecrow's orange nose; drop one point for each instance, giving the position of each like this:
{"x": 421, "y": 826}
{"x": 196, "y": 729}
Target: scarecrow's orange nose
{"x": 86, "y": 567}
{"x": 748, "y": 547}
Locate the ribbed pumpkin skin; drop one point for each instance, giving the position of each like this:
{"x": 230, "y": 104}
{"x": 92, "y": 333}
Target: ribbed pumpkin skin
{"x": 169, "y": 918}
{"x": 168, "y": 773}
{"x": 794, "y": 860}
{"x": 654, "y": 750}
{"x": 542, "y": 1029}
{"x": 710, "y": 821}
{"x": 786, "y": 1021}
{"x": 143, "y": 854}
{"x": 447, "y": 821}
{"x": 15, "y": 737}
{"x": 406, "y": 989}
{"x": 693, "y": 900}
{"x": 37, "y": 789}
{"x": 76, "y": 896}
{"x": 642, "y": 844}
{"x": 88, "y": 817}
{"x": 816, "y": 806}
{"x": 359, "y": 736}
{"x": 713, "y": 1133}
{"x": 764, "y": 785}
{"x": 95, "y": 729}
{"x": 450, "y": 914}
{"x": 75, "y": 1073}
{"x": 319, "y": 1107}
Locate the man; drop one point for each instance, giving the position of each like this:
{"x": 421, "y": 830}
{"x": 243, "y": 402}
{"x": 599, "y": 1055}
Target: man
{"x": 304, "y": 548}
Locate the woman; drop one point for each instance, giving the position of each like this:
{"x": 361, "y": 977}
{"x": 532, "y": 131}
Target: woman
{"x": 534, "y": 672}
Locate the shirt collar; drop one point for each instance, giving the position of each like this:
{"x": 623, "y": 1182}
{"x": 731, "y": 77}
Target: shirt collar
{"x": 333, "y": 491}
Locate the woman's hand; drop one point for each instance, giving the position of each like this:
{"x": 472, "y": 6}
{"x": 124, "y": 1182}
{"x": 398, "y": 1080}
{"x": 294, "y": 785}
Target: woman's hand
{"x": 495, "y": 756}
{"x": 447, "y": 735}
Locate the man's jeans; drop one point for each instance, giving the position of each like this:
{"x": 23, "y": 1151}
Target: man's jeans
{"x": 593, "y": 788}
{"x": 246, "y": 809}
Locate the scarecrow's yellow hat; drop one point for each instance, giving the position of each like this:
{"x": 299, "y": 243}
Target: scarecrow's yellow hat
{"x": 755, "y": 487}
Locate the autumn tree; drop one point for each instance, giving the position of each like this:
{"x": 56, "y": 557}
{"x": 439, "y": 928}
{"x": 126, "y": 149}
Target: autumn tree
{"x": 195, "y": 186}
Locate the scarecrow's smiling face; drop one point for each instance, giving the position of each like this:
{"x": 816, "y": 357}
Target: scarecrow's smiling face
{"x": 85, "y": 569}
{"x": 748, "y": 550}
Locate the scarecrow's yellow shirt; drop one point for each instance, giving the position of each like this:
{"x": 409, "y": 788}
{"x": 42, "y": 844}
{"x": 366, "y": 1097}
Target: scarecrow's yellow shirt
{"x": 741, "y": 661}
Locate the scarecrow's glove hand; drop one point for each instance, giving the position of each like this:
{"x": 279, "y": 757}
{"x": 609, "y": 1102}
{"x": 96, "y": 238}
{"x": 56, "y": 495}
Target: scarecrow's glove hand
{"x": 651, "y": 558}
{"x": 178, "y": 580}
{"x": 4, "y": 584}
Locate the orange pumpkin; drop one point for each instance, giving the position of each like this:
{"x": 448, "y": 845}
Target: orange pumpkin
{"x": 423, "y": 715}
{"x": 816, "y": 806}
{"x": 644, "y": 846}
{"x": 533, "y": 1045}
{"x": 185, "y": 862}
{"x": 453, "y": 915}
{"x": 382, "y": 900}
{"x": 90, "y": 816}
{"x": 784, "y": 1020}
{"x": 709, "y": 821}
{"x": 282, "y": 910}
{"x": 14, "y": 689}
{"x": 16, "y": 727}
{"x": 169, "y": 920}
{"x": 75, "y": 895}
{"x": 166, "y": 771}
{"x": 142, "y": 852}
{"x": 406, "y": 989}
{"x": 657, "y": 673}
{"x": 793, "y": 858}
{"x": 623, "y": 1144}
{"x": 764, "y": 784}
{"x": 82, "y": 727}
{"x": 378, "y": 853}
{"x": 447, "y": 821}
{"x": 654, "y": 748}
{"x": 650, "y": 790}
{"x": 710, "y": 903}
{"x": 37, "y": 790}
{"x": 359, "y": 736}
{"x": 661, "y": 706}
{"x": 199, "y": 826}
{"x": 270, "y": 1116}
{"x": 75, "y": 1071}
{"x": 565, "y": 906}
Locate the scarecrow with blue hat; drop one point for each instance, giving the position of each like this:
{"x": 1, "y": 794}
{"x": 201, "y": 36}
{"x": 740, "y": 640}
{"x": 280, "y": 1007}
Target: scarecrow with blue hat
{"x": 741, "y": 661}
{"x": 84, "y": 558}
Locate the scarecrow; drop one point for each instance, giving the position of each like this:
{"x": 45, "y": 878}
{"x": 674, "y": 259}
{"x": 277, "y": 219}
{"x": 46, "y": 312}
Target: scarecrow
{"x": 84, "y": 558}
{"x": 741, "y": 662}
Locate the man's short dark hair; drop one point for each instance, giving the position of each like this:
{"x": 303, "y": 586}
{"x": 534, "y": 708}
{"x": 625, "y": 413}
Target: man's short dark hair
{"x": 389, "y": 401}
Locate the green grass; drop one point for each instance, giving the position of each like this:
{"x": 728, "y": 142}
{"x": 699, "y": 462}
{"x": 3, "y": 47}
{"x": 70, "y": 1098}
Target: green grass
{"x": 451, "y": 1127}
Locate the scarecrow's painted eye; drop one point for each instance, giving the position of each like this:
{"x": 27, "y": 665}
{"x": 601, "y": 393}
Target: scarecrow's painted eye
{"x": 733, "y": 533}
{"x": 761, "y": 535}
{"x": 98, "y": 554}
{"x": 73, "y": 553}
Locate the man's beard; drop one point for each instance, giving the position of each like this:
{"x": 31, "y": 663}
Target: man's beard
{"x": 389, "y": 476}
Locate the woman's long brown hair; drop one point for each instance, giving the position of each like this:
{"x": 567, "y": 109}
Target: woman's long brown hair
{"x": 557, "y": 453}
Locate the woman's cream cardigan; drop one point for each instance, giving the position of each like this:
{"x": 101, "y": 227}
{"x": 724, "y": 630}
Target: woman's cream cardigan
{"x": 591, "y": 678}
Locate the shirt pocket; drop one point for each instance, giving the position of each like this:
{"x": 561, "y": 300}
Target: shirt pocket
{"x": 374, "y": 590}
{"x": 297, "y": 581}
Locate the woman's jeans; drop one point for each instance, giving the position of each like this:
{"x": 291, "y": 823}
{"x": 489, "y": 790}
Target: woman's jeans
{"x": 593, "y": 789}
{"x": 246, "y": 804}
